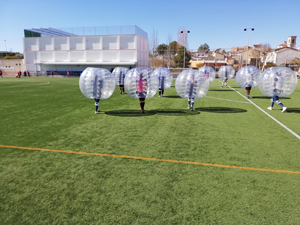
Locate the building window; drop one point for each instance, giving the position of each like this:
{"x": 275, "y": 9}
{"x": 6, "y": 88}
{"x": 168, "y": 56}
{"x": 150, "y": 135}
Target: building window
{"x": 293, "y": 41}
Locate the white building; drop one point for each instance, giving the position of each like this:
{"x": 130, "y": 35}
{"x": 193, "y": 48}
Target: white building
{"x": 281, "y": 56}
{"x": 56, "y": 50}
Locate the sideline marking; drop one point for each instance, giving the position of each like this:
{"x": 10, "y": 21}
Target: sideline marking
{"x": 277, "y": 121}
{"x": 227, "y": 100}
{"x": 154, "y": 159}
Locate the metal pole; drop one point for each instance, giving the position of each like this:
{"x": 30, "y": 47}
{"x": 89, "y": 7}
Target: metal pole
{"x": 184, "y": 52}
{"x": 5, "y": 48}
{"x": 248, "y": 42}
{"x": 247, "y": 47}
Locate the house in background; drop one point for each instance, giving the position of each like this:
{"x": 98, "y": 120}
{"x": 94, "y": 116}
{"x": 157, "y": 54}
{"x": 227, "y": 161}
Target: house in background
{"x": 282, "y": 56}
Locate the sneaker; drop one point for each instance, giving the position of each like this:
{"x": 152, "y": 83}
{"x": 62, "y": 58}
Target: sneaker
{"x": 142, "y": 111}
{"x": 158, "y": 96}
{"x": 283, "y": 109}
{"x": 188, "y": 107}
{"x": 221, "y": 86}
{"x": 162, "y": 96}
{"x": 269, "y": 108}
{"x": 192, "y": 109}
{"x": 96, "y": 112}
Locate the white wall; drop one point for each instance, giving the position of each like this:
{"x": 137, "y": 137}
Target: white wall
{"x": 81, "y": 51}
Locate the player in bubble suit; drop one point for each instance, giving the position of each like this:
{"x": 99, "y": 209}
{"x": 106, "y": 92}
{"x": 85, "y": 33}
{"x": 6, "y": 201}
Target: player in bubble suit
{"x": 277, "y": 88}
{"x": 161, "y": 85}
{"x": 190, "y": 91}
{"x": 225, "y": 78}
{"x": 96, "y": 92}
{"x": 141, "y": 85}
{"x": 248, "y": 84}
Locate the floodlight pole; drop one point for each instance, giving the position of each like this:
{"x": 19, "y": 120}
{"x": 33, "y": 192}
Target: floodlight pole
{"x": 5, "y": 48}
{"x": 184, "y": 47}
{"x": 252, "y": 29}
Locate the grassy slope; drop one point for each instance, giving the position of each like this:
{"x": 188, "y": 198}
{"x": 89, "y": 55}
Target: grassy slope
{"x": 56, "y": 187}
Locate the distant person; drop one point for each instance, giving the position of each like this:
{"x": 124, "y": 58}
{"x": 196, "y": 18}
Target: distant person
{"x": 98, "y": 86}
{"x": 225, "y": 78}
{"x": 141, "y": 91}
{"x": 191, "y": 92}
{"x": 68, "y": 74}
{"x": 1, "y": 74}
{"x": 24, "y": 73}
{"x": 161, "y": 85}
{"x": 121, "y": 82}
{"x": 277, "y": 89}
{"x": 19, "y": 73}
{"x": 52, "y": 73}
{"x": 28, "y": 74}
{"x": 249, "y": 83}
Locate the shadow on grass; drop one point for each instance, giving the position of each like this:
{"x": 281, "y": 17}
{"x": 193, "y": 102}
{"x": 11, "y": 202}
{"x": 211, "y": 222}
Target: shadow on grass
{"x": 177, "y": 112}
{"x": 172, "y": 96}
{"x": 221, "y": 110}
{"x": 293, "y": 110}
{"x": 162, "y": 112}
{"x": 130, "y": 113}
{"x": 221, "y": 90}
{"x": 265, "y": 97}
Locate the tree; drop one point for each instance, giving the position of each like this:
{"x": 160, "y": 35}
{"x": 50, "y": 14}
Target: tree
{"x": 178, "y": 59}
{"x": 269, "y": 64}
{"x": 153, "y": 46}
{"x": 161, "y": 49}
{"x": 203, "y": 47}
{"x": 173, "y": 48}
{"x": 199, "y": 65}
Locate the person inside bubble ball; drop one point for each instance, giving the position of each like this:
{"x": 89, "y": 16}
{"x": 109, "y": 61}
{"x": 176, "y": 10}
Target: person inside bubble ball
{"x": 141, "y": 85}
{"x": 190, "y": 91}
{"x": 161, "y": 85}
{"x": 277, "y": 89}
{"x": 97, "y": 86}
{"x": 206, "y": 72}
{"x": 248, "y": 83}
{"x": 121, "y": 81}
{"x": 225, "y": 78}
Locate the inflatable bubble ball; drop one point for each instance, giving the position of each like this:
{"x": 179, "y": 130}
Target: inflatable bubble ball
{"x": 97, "y": 83}
{"x": 226, "y": 72}
{"x": 248, "y": 76}
{"x": 209, "y": 72}
{"x": 119, "y": 74}
{"x": 191, "y": 84}
{"x": 165, "y": 77}
{"x": 141, "y": 83}
{"x": 280, "y": 81}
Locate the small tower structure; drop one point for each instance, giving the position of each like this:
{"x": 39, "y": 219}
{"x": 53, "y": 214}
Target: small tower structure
{"x": 291, "y": 41}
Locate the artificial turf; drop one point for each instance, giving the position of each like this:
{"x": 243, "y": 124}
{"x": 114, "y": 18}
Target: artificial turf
{"x": 40, "y": 187}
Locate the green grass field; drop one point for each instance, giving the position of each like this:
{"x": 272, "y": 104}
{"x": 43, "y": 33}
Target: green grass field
{"x": 56, "y": 187}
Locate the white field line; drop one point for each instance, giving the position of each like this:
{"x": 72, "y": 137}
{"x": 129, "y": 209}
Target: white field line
{"x": 228, "y": 100}
{"x": 277, "y": 121}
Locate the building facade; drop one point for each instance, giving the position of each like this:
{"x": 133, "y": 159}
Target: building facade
{"x": 56, "y": 50}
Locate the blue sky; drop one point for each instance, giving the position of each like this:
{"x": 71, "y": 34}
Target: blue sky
{"x": 219, "y": 23}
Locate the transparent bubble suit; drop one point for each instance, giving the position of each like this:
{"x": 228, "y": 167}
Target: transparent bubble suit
{"x": 191, "y": 84}
{"x": 141, "y": 83}
{"x": 226, "y": 71}
{"x": 209, "y": 72}
{"x": 119, "y": 74}
{"x": 248, "y": 76}
{"x": 97, "y": 83}
{"x": 165, "y": 77}
{"x": 281, "y": 81}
